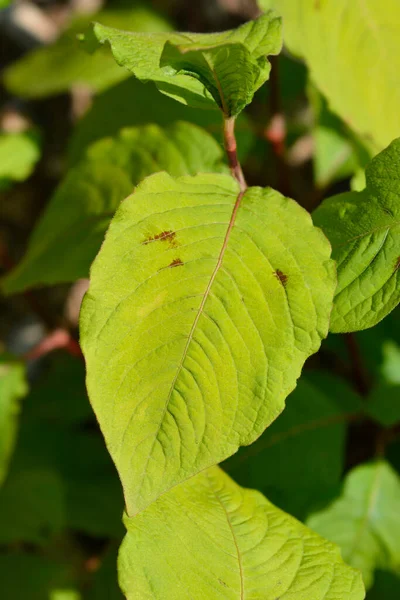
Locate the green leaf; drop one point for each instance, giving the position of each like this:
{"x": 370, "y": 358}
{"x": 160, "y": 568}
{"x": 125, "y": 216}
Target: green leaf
{"x": 131, "y": 103}
{"x": 353, "y": 52}
{"x": 199, "y": 69}
{"x": 90, "y": 194}
{"x": 56, "y": 68}
{"x": 19, "y": 152}
{"x": 298, "y": 461}
{"x": 364, "y": 520}
{"x": 364, "y": 230}
{"x": 35, "y": 577}
{"x": 209, "y": 538}
{"x": 12, "y": 388}
{"x": 204, "y": 304}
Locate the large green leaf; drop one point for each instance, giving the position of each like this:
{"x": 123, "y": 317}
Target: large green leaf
{"x": 298, "y": 461}
{"x": 131, "y": 103}
{"x": 56, "y": 68}
{"x": 364, "y": 230}
{"x": 352, "y": 49}
{"x": 199, "y": 69}
{"x": 364, "y": 521}
{"x": 91, "y": 193}
{"x": 12, "y": 388}
{"x": 204, "y": 304}
{"x": 209, "y": 538}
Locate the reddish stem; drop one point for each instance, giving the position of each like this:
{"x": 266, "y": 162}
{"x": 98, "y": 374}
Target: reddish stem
{"x": 231, "y": 151}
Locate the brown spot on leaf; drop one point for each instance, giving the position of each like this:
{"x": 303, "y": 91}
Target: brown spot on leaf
{"x": 165, "y": 236}
{"x": 176, "y": 263}
{"x": 222, "y": 583}
{"x": 281, "y": 276}
{"x": 397, "y": 264}
{"x": 317, "y": 4}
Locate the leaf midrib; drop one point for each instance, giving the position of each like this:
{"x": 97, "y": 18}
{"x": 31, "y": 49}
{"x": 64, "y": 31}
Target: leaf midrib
{"x": 193, "y": 328}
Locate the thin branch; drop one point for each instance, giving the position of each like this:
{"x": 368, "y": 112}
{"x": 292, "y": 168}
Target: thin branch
{"x": 231, "y": 151}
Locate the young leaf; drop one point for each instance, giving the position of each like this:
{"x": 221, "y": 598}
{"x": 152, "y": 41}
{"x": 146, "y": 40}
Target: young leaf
{"x": 210, "y": 538}
{"x": 364, "y": 230}
{"x": 12, "y": 388}
{"x": 204, "y": 304}
{"x": 298, "y": 461}
{"x": 56, "y": 68}
{"x": 353, "y": 53}
{"x": 91, "y": 192}
{"x": 364, "y": 520}
{"x": 199, "y": 69}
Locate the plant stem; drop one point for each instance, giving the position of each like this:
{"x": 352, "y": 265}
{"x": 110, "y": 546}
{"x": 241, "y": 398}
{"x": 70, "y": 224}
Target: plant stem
{"x": 231, "y": 151}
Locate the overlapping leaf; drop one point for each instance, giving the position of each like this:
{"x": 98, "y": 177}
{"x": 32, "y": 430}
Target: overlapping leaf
{"x": 199, "y": 69}
{"x": 204, "y": 304}
{"x": 352, "y": 49}
{"x": 91, "y": 192}
{"x": 364, "y": 520}
{"x": 364, "y": 230}
{"x": 209, "y": 538}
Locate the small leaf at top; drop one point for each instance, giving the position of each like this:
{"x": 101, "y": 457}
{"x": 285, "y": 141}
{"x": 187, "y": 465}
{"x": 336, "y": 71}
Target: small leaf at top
{"x": 210, "y": 538}
{"x": 364, "y": 230}
{"x": 221, "y": 70}
{"x": 204, "y": 304}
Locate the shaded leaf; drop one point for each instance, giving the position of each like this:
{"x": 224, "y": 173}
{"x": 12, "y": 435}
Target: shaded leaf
{"x": 204, "y": 304}
{"x": 12, "y": 388}
{"x": 31, "y": 506}
{"x": 91, "y": 192}
{"x": 298, "y": 461}
{"x": 24, "y": 576}
{"x": 353, "y": 52}
{"x": 131, "y": 104}
{"x": 364, "y": 230}
{"x": 364, "y": 521}
{"x": 56, "y": 68}
{"x": 386, "y": 587}
{"x": 209, "y": 538}
{"x": 199, "y": 69}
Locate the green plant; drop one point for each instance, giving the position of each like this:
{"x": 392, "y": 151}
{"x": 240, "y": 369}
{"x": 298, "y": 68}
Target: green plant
{"x": 207, "y": 296}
